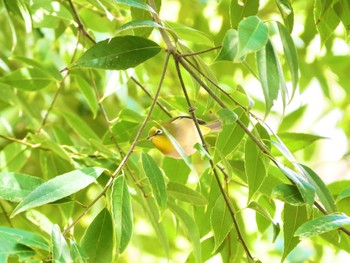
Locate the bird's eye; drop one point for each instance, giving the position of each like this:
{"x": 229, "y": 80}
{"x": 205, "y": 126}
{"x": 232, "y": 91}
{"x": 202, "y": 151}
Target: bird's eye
{"x": 159, "y": 131}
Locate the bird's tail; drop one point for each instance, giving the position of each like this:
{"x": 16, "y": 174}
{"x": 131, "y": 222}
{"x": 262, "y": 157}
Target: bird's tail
{"x": 215, "y": 126}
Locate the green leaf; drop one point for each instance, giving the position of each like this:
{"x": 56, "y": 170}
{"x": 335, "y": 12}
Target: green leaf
{"x": 29, "y": 79}
{"x": 289, "y": 194}
{"x": 186, "y": 194}
{"x": 221, "y": 221}
{"x": 293, "y": 217}
{"x": 291, "y": 119}
{"x": 231, "y": 135}
{"x": 156, "y": 180}
{"x": 252, "y": 36}
{"x": 14, "y": 186}
{"x": 229, "y": 47}
{"x": 21, "y": 9}
{"x": 286, "y": 10}
{"x": 139, "y": 24}
{"x": 78, "y": 255}
{"x": 342, "y": 9}
{"x": 325, "y": 18}
{"x": 137, "y": 4}
{"x": 190, "y": 34}
{"x": 306, "y": 190}
{"x": 60, "y": 249}
{"x": 322, "y": 191}
{"x": 255, "y": 162}
{"x": 297, "y": 141}
{"x": 241, "y": 9}
{"x": 13, "y": 157}
{"x": 97, "y": 241}
{"x": 191, "y": 229}
{"x": 227, "y": 116}
{"x": 322, "y": 224}
{"x": 23, "y": 237}
{"x": 49, "y": 14}
{"x": 118, "y": 53}
{"x": 10, "y": 247}
{"x": 268, "y": 74}
{"x": 180, "y": 151}
{"x": 79, "y": 126}
{"x": 58, "y": 187}
{"x": 87, "y": 90}
{"x": 290, "y": 54}
{"x": 343, "y": 194}
{"x": 121, "y": 212}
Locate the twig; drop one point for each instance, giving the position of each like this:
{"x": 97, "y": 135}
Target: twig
{"x": 126, "y": 157}
{"x": 151, "y": 97}
{"x": 79, "y": 22}
{"x": 212, "y": 164}
{"x": 200, "y": 52}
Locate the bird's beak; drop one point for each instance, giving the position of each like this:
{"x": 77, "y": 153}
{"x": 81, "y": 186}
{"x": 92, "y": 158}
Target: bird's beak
{"x": 150, "y": 137}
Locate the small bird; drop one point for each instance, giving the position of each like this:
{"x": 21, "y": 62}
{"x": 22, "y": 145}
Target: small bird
{"x": 183, "y": 129}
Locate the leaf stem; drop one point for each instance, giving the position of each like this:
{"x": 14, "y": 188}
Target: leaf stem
{"x": 200, "y": 52}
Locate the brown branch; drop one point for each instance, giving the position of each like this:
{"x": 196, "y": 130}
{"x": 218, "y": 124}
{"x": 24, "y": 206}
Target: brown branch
{"x": 126, "y": 157}
{"x": 79, "y": 22}
{"x": 200, "y": 52}
{"x": 212, "y": 164}
{"x": 151, "y": 97}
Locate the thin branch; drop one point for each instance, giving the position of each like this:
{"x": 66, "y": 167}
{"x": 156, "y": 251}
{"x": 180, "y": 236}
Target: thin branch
{"x": 200, "y": 52}
{"x": 126, "y": 157}
{"x": 79, "y": 22}
{"x": 151, "y": 97}
{"x": 212, "y": 164}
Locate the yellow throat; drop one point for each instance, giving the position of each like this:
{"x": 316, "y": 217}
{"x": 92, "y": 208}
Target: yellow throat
{"x": 184, "y": 131}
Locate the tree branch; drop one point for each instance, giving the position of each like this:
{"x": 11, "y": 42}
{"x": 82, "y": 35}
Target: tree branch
{"x": 126, "y": 157}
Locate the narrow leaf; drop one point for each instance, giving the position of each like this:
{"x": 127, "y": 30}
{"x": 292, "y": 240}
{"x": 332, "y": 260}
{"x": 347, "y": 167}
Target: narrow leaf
{"x": 342, "y": 9}
{"x": 137, "y": 4}
{"x": 289, "y": 194}
{"x": 120, "y": 52}
{"x": 221, "y": 221}
{"x": 156, "y": 180}
{"x": 252, "y": 36}
{"x": 268, "y": 74}
{"x": 290, "y": 54}
{"x": 307, "y": 190}
{"x": 231, "y": 135}
{"x": 293, "y": 217}
{"x": 242, "y": 9}
{"x": 343, "y": 194}
{"x": 287, "y": 13}
{"x": 322, "y": 224}
{"x": 97, "y": 241}
{"x": 58, "y": 187}
{"x": 186, "y": 194}
{"x": 14, "y": 186}
{"x": 255, "y": 162}
{"x": 191, "y": 228}
{"x": 26, "y": 238}
{"x": 121, "y": 212}
{"x": 322, "y": 191}
{"x": 30, "y": 79}
{"x": 229, "y": 49}
{"x": 78, "y": 255}
{"x": 60, "y": 249}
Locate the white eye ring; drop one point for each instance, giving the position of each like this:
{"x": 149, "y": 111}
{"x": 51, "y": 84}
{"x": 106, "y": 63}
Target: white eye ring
{"x": 158, "y": 131}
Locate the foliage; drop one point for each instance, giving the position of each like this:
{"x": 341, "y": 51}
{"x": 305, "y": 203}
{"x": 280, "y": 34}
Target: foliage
{"x": 82, "y": 82}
